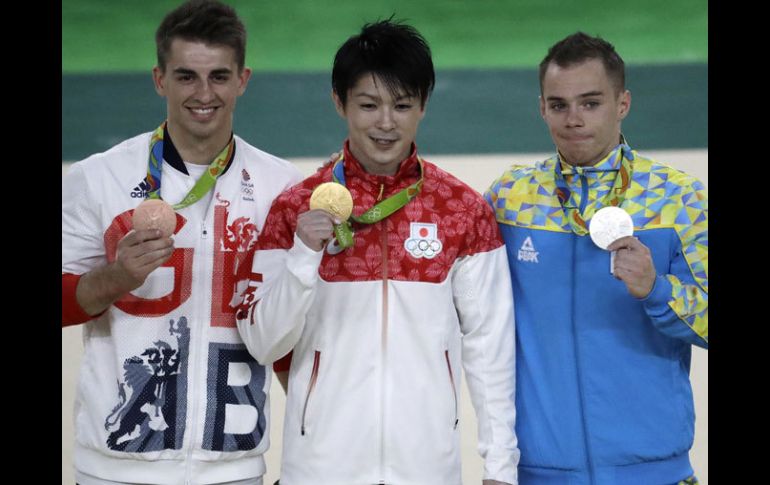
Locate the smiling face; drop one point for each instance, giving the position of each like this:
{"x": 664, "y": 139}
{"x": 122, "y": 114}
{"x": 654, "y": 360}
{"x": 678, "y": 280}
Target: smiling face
{"x": 381, "y": 127}
{"x": 583, "y": 110}
{"x": 201, "y": 84}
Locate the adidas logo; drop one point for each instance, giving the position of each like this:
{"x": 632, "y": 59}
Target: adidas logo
{"x": 527, "y": 251}
{"x": 140, "y": 191}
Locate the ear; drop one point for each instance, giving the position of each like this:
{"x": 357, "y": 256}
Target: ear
{"x": 338, "y": 105}
{"x": 542, "y": 106}
{"x": 624, "y": 104}
{"x": 243, "y": 80}
{"x": 159, "y": 79}
{"x": 424, "y": 107}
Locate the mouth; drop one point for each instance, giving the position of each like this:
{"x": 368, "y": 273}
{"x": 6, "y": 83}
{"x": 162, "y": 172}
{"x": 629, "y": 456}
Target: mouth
{"x": 577, "y": 138}
{"x": 385, "y": 142}
{"x": 203, "y": 113}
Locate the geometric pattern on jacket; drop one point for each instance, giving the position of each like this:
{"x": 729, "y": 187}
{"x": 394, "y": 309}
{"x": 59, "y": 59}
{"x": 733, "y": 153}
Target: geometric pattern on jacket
{"x": 659, "y": 196}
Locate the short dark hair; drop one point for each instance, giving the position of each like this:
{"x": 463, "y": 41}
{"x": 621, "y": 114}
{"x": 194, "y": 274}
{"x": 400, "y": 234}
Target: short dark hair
{"x": 207, "y": 21}
{"x": 580, "y": 47}
{"x": 394, "y": 52}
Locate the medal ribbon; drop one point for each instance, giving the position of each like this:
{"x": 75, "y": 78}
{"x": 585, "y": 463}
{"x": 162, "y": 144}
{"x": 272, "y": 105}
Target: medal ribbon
{"x": 344, "y": 232}
{"x": 202, "y": 185}
{"x": 614, "y": 196}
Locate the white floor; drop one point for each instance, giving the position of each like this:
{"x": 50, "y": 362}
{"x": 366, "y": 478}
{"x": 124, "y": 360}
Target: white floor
{"x": 478, "y": 172}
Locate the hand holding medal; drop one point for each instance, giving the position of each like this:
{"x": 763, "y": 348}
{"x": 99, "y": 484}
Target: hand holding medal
{"x": 608, "y": 225}
{"x": 335, "y": 199}
{"x": 155, "y": 214}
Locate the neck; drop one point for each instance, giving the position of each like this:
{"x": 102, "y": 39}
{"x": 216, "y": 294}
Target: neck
{"x": 199, "y": 151}
{"x": 375, "y": 168}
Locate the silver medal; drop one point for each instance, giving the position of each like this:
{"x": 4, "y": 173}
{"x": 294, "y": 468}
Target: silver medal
{"x": 607, "y": 226}
{"x": 610, "y": 224}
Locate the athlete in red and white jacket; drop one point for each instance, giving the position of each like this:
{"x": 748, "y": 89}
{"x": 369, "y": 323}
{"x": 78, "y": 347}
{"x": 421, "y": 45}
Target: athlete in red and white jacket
{"x": 379, "y": 331}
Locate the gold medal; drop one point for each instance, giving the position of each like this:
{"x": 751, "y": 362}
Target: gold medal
{"x": 333, "y": 198}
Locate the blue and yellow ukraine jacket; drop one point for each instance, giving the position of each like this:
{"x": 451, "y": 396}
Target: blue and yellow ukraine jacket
{"x": 603, "y": 393}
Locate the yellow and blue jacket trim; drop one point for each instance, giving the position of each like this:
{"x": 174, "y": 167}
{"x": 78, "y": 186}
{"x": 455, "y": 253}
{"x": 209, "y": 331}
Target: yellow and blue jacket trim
{"x": 602, "y": 388}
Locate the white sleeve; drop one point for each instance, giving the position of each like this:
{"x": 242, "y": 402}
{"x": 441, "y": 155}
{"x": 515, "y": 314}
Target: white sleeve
{"x": 82, "y": 244}
{"x": 484, "y": 302}
{"x": 272, "y": 321}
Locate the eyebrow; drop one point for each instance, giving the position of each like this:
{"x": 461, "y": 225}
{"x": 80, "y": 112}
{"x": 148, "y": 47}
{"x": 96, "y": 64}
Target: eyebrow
{"x": 377, "y": 98}
{"x": 190, "y": 72}
{"x": 584, "y": 95}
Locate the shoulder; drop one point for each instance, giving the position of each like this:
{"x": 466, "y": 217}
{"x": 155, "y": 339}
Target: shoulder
{"x": 122, "y": 157}
{"x": 298, "y": 194}
{"x": 453, "y": 195}
{"x": 521, "y": 179}
{"x": 659, "y": 175}
{"x": 130, "y": 148}
{"x": 263, "y": 161}
{"x": 438, "y": 179}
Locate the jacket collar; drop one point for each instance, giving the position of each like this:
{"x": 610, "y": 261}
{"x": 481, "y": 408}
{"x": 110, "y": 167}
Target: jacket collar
{"x": 409, "y": 168}
{"x": 172, "y": 157}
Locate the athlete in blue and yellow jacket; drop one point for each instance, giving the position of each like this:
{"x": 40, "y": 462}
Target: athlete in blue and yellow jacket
{"x": 603, "y": 393}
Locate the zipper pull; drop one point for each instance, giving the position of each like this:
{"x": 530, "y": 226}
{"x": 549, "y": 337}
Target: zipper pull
{"x": 204, "y": 232}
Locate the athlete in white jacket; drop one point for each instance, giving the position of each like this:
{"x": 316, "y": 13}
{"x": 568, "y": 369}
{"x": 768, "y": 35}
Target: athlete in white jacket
{"x": 379, "y": 329}
{"x": 168, "y": 393}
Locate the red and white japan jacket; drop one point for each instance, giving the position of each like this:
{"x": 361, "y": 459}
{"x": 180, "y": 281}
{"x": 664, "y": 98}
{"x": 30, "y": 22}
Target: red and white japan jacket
{"x": 379, "y": 330}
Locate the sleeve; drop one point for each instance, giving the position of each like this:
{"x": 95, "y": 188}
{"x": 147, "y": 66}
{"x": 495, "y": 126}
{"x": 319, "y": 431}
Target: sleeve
{"x": 82, "y": 247}
{"x": 71, "y": 311}
{"x": 492, "y": 194}
{"x": 281, "y": 288}
{"x": 484, "y": 301}
{"x": 511, "y": 181}
{"x": 678, "y": 302}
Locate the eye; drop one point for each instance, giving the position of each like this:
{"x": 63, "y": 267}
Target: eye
{"x": 558, "y": 106}
{"x": 221, "y": 78}
{"x": 367, "y": 106}
{"x": 184, "y": 78}
{"x": 591, "y": 104}
{"x": 404, "y": 106}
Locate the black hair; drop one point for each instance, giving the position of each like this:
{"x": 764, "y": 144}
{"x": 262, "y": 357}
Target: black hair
{"x": 393, "y": 52}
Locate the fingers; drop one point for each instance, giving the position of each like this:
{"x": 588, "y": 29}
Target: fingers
{"x": 139, "y": 253}
{"x": 137, "y": 237}
{"x": 633, "y": 265}
{"x": 315, "y": 227}
{"x": 627, "y": 242}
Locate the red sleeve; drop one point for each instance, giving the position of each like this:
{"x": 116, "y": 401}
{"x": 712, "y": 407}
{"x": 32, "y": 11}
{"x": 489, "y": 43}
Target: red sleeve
{"x": 71, "y": 312}
{"x": 283, "y": 364}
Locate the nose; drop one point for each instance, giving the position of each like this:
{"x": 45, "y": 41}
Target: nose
{"x": 204, "y": 92}
{"x": 573, "y": 117}
{"x": 385, "y": 120}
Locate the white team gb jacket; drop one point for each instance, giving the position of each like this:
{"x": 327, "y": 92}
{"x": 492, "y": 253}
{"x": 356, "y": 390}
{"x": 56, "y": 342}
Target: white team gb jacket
{"x": 168, "y": 392}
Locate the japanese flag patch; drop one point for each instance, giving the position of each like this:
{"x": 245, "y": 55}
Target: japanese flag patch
{"x": 423, "y": 240}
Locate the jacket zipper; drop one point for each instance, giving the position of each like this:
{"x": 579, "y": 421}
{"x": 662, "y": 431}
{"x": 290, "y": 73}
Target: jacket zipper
{"x": 194, "y": 369}
{"x": 310, "y": 386}
{"x": 384, "y": 337}
{"x": 454, "y": 388}
{"x": 578, "y": 368}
